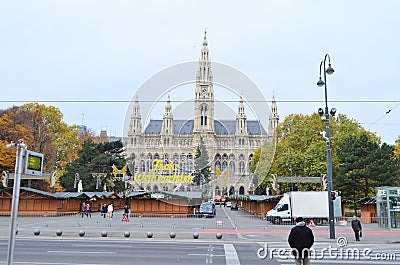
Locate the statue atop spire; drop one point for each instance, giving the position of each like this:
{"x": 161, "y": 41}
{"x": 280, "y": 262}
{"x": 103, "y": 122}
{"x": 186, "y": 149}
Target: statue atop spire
{"x": 205, "y": 43}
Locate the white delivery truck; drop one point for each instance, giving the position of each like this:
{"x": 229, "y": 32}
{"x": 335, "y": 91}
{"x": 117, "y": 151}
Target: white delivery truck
{"x": 311, "y": 205}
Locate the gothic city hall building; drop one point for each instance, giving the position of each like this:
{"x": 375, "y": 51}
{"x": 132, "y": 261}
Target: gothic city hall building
{"x": 162, "y": 156}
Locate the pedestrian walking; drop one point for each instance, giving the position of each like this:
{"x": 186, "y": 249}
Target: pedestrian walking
{"x": 125, "y": 216}
{"x": 88, "y": 210}
{"x": 110, "y": 210}
{"x": 356, "y": 226}
{"x": 83, "y": 209}
{"x": 104, "y": 210}
{"x": 301, "y": 239}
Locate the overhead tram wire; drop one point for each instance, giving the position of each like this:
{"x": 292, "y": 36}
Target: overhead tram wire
{"x": 381, "y": 117}
{"x": 192, "y": 100}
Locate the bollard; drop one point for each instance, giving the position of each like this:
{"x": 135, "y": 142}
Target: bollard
{"x": 127, "y": 234}
{"x": 196, "y": 235}
{"x": 172, "y": 235}
{"x": 219, "y": 235}
{"x": 104, "y": 233}
{"x": 81, "y": 233}
{"x": 36, "y": 232}
{"x": 149, "y": 234}
{"x": 59, "y": 232}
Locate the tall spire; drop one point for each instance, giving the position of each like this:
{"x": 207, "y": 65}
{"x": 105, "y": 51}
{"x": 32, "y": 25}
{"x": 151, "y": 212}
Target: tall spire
{"x": 204, "y": 93}
{"x": 167, "y": 124}
{"x": 135, "y": 125}
{"x": 204, "y": 73}
{"x": 241, "y": 113}
{"x": 273, "y": 117}
{"x": 168, "y": 109}
{"x": 241, "y": 123}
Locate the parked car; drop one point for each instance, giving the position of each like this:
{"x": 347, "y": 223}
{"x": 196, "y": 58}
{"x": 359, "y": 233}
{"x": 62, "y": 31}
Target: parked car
{"x": 207, "y": 209}
{"x": 234, "y": 207}
{"x": 228, "y": 204}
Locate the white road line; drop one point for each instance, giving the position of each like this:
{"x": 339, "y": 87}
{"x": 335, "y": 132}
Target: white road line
{"x": 233, "y": 224}
{"x": 231, "y": 256}
{"x": 54, "y": 263}
{"x": 81, "y": 252}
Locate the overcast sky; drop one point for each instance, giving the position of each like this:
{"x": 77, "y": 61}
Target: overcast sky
{"x": 72, "y": 53}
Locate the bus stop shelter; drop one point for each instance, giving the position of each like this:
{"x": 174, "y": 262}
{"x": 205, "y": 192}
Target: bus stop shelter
{"x": 388, "y": 207}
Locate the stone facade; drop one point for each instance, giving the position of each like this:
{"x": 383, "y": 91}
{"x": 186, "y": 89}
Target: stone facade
{"x": 230, "y": 143}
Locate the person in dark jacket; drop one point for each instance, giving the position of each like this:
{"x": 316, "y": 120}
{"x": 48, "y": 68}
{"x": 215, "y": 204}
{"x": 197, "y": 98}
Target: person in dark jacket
{"x": 356, "y": 225}
{"x": 301, "y": 239}
{"x": 104, "y": 210}
{"x": 83, "y": 209}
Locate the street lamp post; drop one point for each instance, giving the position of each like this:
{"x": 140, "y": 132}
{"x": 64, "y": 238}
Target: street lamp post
{"x": 21, "y": 150}
{"x": 327, "y": 137}
{"x": 291, "y": 170}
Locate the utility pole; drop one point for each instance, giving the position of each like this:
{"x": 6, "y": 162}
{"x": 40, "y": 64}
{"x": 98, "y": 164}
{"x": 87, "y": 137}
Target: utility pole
{"x": 21, "y": 150}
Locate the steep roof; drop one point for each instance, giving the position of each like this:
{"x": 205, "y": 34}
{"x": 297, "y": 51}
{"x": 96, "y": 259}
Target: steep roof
{"x": 222, "y": 127}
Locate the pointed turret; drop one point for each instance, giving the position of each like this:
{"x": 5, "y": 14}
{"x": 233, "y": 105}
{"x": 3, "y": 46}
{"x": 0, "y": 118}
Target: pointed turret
{"x": 273, "y": 118}
{"x": 204, "y": 73}
{"x": 135, "y": 124}
{"x": 135, "y": 128}
{"x": 241, "y": 123}
{"x": 167, "y": 127}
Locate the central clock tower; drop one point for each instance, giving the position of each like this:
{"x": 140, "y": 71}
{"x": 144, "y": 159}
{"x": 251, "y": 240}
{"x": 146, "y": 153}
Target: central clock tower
{"x": 204, "y": 95}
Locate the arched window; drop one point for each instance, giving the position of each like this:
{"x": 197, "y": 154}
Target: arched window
{"x": 182, "y": 168}
{"x": 224, "y": 166}
{"x": 176, "y": 167}
{"x": 149, "y": 165}
{"x": 142, "y": 166}
{"x": 203, "y": 117}
{"x": 241, "y": 167}
{"x": 232, "y": 168}
{"x": 190, "y": 167}
{"x": 217, "y": 165}
{"x": 231, "y": 191}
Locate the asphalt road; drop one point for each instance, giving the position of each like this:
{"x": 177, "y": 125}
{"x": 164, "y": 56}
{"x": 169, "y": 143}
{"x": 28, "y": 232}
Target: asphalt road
{"x": 107, "y": 252}
{"x": 111, "y": 252}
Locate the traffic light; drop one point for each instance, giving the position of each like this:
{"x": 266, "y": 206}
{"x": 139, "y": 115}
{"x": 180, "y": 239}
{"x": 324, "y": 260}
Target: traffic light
{"x": 333, "y": 195}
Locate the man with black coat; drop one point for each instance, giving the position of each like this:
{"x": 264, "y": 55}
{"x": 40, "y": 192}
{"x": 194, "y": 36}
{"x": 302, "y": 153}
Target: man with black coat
{"x": 356, "y": 225}
{"x": 301, "y": 239}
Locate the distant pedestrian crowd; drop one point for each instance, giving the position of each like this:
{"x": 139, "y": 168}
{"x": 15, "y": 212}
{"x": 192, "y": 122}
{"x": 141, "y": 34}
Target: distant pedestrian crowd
{"x": 106, "y": 211}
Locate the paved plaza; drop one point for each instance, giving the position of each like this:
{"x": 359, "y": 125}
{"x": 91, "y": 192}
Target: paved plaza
{"x": 235, "y": 226}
